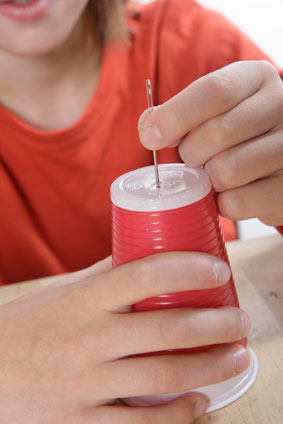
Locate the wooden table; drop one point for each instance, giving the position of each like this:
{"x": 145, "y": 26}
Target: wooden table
{"x": 258, "y": 270}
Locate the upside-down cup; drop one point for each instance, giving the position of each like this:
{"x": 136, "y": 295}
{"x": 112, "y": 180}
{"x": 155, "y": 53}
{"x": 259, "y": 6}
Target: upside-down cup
{"x": 181, "y": 215}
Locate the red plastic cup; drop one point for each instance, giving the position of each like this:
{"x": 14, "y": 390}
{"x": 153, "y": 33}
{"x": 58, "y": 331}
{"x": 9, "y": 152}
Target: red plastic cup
{"x": 180, "y": 216}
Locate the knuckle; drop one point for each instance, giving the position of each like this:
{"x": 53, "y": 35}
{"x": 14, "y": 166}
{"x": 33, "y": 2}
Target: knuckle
{"x": 218, "y": 131}
{"x": 167, "y": 378}
{"x": 226, "y": 124}
{"x": 214, "y": 133}
{"x": 233, "y": 326}
{"x": 145, "y": 273}
{"x": 268, "y": 68}
{"x": 221, "y": 87}
{"x": 174, "y": 330}
{"x": 232, "y": 167}
{"x": 223, "y": 170}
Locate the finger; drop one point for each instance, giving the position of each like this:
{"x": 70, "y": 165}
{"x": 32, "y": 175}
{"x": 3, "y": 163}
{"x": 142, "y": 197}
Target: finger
{"x": 261, "y": 199}
{"x": 253, "y": 117}
{"x": 99, "y": 267}
{"x": 204, "y": 99}
{"x": 158, "y": 274}
{"x": 75, "y": 277}
{"x": 247, "y": 162}
{"x": 183, "y": 410}
{"x": 154, "y": 331}
{"x": 142, "y": 376}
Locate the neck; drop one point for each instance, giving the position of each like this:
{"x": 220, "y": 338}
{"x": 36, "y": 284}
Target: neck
{"x": 44, "y": 83}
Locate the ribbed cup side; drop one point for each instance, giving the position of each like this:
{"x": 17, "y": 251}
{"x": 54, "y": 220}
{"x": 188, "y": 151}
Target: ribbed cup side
{"x": 194, "y": 227}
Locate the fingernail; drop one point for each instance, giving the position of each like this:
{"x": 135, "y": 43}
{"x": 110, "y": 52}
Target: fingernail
{"x": 200, "y": 407}
{"x": 142, "y": 118}
{"x": 246, "y": 323}
{"x": 241, "y": 360}
{"x": 150, "y": 137}
{"x": 222, "y": 272}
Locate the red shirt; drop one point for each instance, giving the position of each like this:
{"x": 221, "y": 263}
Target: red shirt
{"x": 55, "y": 207}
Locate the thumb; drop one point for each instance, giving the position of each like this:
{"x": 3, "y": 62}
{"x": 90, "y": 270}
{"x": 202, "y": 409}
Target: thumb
{"x": 149, "y": 133}
{"x": 77, "y": 276}
{"x": 184, "y": 410}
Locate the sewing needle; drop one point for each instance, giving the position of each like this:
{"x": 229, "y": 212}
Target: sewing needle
{"x": 150, "y": 106}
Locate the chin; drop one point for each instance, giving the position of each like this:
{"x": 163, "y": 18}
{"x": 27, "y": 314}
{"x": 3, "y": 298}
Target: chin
{"x": 32, "y": 46}
{"x": 46, "y": 35}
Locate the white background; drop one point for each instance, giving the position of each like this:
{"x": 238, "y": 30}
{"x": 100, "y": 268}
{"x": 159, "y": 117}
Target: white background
{"x": 262, "y": 21}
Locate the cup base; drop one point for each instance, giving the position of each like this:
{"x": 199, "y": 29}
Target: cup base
{"x": 219, "y": 395}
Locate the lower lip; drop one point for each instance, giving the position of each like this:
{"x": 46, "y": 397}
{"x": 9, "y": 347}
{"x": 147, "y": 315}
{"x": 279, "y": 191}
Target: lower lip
{"x": 25, "y": 12}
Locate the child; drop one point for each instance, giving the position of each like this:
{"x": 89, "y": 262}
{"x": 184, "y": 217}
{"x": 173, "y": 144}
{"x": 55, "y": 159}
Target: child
{"x": 72, "y": 88}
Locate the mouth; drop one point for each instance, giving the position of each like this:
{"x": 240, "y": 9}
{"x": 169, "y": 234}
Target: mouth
{"x": 16, "y": 1}
{"x": 24, "y": 10}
